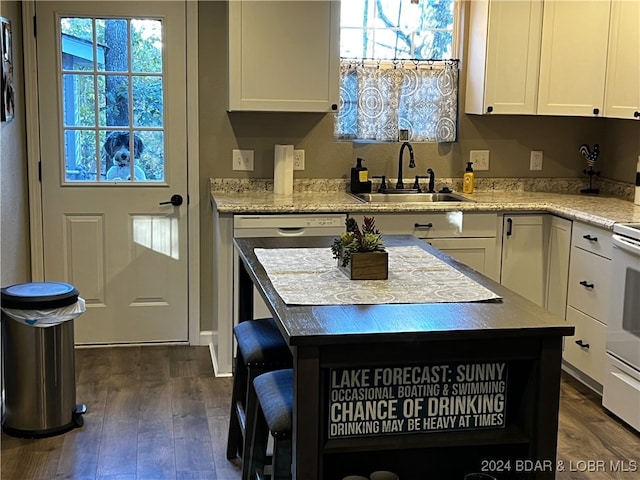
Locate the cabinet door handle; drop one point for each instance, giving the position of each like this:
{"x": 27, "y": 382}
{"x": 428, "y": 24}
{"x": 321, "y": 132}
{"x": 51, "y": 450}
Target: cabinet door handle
{"x": 509, "y": 226}
{"x": 584, "y": 283}
{"x": 423, "y": 225}
{"x": 581, "y": 344}
{"x": 590, "y": 238}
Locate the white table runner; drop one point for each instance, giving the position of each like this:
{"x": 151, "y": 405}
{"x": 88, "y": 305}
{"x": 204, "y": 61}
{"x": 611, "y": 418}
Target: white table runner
{"x": 310, "y": 276}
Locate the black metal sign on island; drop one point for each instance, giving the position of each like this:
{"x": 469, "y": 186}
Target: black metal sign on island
{"x": 417, "y": 398}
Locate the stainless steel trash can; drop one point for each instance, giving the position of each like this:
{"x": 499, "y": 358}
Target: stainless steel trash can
{"x": 39, "y": 360}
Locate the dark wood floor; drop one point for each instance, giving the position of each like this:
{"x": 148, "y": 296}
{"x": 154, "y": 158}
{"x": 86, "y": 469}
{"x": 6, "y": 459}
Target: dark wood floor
{"x": 159, "y": 413}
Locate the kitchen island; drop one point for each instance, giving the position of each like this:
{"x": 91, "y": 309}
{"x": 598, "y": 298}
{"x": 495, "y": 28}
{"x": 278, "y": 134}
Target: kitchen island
{"x": 427, "y": 390}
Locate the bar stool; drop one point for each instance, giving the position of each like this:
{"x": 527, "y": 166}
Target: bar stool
{"x": 273, "y": 415}
{"x": 261, "y": 348}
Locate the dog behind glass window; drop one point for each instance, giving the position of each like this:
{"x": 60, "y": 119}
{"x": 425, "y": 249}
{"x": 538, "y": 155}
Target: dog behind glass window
{"x": 116, "y": 152}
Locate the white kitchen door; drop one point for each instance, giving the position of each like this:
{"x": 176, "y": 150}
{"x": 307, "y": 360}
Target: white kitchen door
{"x": 112, "y": 99}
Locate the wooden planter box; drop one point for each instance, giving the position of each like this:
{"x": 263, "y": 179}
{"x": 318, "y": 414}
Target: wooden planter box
{"x": 367, "y": 266}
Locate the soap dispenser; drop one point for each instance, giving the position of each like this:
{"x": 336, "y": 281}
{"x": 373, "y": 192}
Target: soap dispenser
{"x": 468, "y": 179}
{"x": 360, "y": 182}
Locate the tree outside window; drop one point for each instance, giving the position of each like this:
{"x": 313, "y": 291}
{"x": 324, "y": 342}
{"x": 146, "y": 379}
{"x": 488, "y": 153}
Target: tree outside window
{"x": 398, "y": 71}
{"x": 397, "y": 29}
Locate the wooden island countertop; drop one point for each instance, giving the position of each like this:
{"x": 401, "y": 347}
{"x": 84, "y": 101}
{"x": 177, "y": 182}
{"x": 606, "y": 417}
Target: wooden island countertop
{"x": 359, "y": 341}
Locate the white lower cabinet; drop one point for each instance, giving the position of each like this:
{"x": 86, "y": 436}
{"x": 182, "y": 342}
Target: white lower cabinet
{"x": 589, "y": 287}
{"x": 481, "y": 254}
{"x": 586, "y": 349}
{"x": 535, "y": 258}
{"x": 588, "y": 300}
{"x": 524, "y": 256}
{"x": 471, "y": 238}
{"x": 558, "y": 265}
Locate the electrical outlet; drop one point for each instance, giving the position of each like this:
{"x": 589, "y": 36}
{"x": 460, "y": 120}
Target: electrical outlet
{"x": 298, "y": 159}
{"x": 480, "y": 159}
{"x": 242, "y": 159}
{"x": 535, "y": 162}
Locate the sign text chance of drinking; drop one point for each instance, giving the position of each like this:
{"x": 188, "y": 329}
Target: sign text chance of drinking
{"x": 417, "y": 398}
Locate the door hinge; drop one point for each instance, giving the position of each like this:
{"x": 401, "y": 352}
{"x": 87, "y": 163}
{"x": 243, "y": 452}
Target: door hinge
{"x": 187, "y": 199}
{"x": 35, "y": 27}
{"x": 40, "y": 172}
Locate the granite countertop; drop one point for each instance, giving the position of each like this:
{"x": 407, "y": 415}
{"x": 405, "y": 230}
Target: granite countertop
{"x": 602, "y": 211}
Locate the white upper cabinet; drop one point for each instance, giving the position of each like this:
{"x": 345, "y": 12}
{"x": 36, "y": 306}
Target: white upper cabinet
{"x": 284, "y": 55}
{"x": 504, "y": 56}
{"x": 622, "y": 95}
{"x": 573, "y": 58}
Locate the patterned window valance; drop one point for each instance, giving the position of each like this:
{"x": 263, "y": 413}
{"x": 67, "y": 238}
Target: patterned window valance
{"x": 377, "y": 99}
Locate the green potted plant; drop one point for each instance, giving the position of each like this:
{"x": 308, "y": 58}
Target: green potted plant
{"x": 361, "y": 253}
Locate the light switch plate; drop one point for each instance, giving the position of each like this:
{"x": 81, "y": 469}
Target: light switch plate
{"x": 298, "y": 159}
{"x": 535, "y": 162}
{"x": 242, "y": 160}
{"x": 480, "y": 159}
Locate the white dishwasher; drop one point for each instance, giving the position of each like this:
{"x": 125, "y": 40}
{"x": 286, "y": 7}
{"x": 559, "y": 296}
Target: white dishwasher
{"x": 293, "y": 225}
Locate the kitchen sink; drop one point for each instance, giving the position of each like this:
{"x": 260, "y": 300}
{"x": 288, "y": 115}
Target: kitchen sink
{"x": 410, "y": 197}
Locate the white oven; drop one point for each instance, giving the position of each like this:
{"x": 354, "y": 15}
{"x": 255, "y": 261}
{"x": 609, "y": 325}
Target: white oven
{"x": 621, "y": 392}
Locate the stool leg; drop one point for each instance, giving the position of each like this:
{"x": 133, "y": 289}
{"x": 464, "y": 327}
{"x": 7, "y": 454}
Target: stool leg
{"x": 236, "y": 423}
{"x": 255, "y": 457}
{"x": 250, "y": 407}
{"x": 281, "y": 464}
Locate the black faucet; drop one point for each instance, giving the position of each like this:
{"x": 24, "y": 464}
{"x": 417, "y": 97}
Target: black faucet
{"x": 383, "y": 184}
{"x": 432, "y": 180}
{"x": 412, "y": 163}
{"x": 416, "y": 183}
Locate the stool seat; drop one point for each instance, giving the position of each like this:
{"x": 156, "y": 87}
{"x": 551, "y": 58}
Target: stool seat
{"x": 261, "y": 343}
{"x": 261, "y": 349}
{"x": 273, "y": 415}
{"x": 275, "y": 396}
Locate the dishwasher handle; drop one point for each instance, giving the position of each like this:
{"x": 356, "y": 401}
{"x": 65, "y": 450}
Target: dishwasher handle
{"x": 290, "y": 231}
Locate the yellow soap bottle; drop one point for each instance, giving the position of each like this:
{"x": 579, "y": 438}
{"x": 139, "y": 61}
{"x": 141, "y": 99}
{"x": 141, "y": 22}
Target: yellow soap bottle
{"x": 468, "y": 179}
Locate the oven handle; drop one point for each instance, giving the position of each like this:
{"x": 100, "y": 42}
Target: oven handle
{"x": 630, "y": 245}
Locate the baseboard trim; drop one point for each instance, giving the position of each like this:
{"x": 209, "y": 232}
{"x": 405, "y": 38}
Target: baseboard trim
{"x": 582, "y": 378}
{"x": 206, "y": 338}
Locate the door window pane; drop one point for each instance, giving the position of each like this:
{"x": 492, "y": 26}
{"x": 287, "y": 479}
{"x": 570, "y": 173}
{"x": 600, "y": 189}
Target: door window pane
{"x": 150, "y": 59}
{"x": 152, "y": 159}
{"x": 79, "y": 106}
{"x": 147, "y": 101}
{"x": 115, "y": 101}
{"x": 113, "y": 119}
{"x": 112, "y": 34}
{"x": 80, "y": 155}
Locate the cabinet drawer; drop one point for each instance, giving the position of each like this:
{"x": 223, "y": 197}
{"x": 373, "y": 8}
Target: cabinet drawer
{"x": 589, "y": 360}
{"x": 589, "y": 284}
{"x": 592, "y": 239}
{"x": 436, "y": 225}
